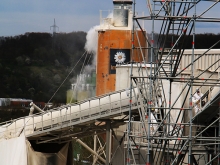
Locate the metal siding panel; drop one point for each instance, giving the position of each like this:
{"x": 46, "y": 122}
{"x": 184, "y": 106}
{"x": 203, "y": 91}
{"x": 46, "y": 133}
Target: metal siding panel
{"x": 113, "y": 39}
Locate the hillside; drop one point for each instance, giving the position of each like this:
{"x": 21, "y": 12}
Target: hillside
{"x": 33, "y": 65}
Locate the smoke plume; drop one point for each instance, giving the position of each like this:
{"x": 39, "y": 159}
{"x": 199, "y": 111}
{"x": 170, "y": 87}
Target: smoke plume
{"x": 92, "y": 42}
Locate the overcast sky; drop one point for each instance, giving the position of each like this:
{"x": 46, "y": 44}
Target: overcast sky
{"x": 20, "y": 16}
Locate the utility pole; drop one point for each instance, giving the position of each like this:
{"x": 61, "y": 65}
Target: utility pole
{"x": 54, "y": 26}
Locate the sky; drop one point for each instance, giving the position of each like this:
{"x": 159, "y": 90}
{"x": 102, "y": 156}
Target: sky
{"x": 21, "y": 16}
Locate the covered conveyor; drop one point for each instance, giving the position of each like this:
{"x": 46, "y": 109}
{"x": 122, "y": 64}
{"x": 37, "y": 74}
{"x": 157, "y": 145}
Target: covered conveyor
{"x": 74, "y": 120}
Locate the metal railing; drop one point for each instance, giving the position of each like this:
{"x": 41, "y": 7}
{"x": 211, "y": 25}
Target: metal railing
{"x": 106, "y": 106}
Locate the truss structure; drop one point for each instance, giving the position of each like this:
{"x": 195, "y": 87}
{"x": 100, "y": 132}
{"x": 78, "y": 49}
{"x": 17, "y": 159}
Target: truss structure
{"x": 169, "y": 131}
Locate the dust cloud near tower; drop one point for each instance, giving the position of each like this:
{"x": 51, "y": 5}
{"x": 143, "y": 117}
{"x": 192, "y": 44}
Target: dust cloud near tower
{"x": 115, "y": 45}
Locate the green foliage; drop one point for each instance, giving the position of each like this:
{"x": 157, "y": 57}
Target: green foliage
{"x": 34, "y": 65}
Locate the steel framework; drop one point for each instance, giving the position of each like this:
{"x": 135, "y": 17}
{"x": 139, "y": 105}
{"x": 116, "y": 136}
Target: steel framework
{"x": 168, "y": 130}
{"x": 162, "y": 126}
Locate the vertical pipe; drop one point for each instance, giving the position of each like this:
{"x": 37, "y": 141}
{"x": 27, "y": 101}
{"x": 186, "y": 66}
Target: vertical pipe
{"x": 168, "y": 122}
{"x": 95, "y": 148}
{"x": 148, "y": 112}
{"x": 172, "y": 11}
{"x": 191, "y": 90}
{"x": 219, "y": 137}
{"x": 110, "y": 143}
{"x": 107, "y": 142}
{"x": 219, "y": 120}
{"x": 131, "y": 74}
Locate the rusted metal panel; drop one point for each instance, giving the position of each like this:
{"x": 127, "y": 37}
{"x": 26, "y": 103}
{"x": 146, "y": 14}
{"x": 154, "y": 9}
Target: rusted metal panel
{"x": 113, "y": 44}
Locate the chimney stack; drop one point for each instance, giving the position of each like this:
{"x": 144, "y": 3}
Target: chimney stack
{"x": 121, "y": 12}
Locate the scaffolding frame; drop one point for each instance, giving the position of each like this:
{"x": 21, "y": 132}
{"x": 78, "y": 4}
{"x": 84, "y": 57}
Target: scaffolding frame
{"x": 184, "y": 139}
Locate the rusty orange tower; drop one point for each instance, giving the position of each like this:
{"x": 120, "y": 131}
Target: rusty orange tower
{"x": 115, "y": 45}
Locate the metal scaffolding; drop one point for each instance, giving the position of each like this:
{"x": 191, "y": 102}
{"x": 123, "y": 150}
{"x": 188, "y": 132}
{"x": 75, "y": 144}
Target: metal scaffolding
{"x": 168, "y": 130}
{"x": 162, "y": 125}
